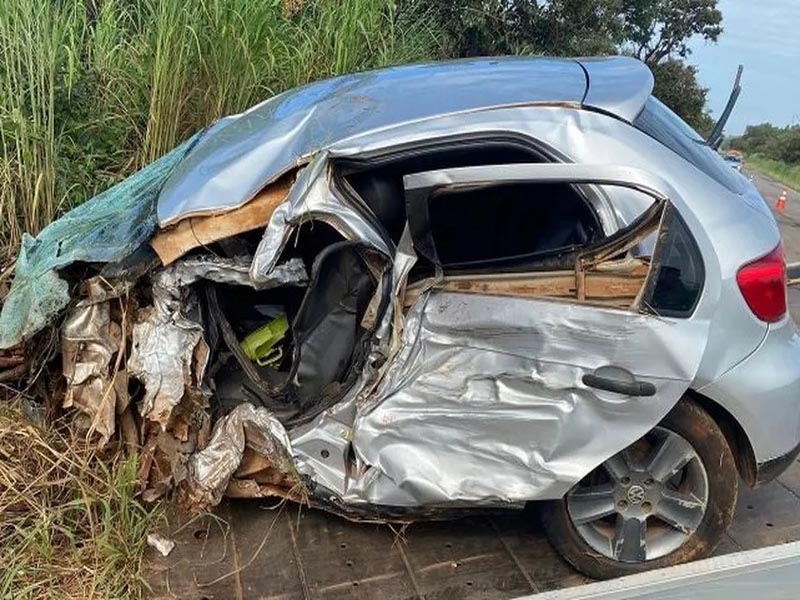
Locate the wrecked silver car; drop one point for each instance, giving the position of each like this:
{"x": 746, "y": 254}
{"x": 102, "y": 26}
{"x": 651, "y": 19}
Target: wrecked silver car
{"x": 427, "y": 290}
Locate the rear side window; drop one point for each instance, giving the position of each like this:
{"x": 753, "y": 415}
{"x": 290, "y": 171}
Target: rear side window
{"x": 508, "y": 226}
{"x": 677, "y": 279}
{"x": 660, "y": 123}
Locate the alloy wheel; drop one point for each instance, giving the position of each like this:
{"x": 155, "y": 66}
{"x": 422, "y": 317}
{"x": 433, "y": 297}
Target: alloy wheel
{"x": 644, "y": 502}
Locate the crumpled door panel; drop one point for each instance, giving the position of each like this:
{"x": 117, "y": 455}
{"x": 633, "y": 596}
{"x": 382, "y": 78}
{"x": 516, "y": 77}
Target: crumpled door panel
{"x": 486, "y": 402}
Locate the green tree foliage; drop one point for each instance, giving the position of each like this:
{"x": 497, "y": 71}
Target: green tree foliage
{"x": 658, "y": 30}
{"x": 655, "y": 31}
{"x": 555, "y": 27}
{"x": 776, "y": 143}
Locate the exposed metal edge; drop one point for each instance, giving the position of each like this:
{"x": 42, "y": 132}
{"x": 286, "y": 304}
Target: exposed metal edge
{"x": 692, "y": 580}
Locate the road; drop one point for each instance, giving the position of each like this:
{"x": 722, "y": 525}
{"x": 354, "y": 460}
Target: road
{"x": 789, "y": 220}
{"x": 255, "y": 550}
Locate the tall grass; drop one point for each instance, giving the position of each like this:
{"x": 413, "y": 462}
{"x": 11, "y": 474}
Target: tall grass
{"x": 39, "y": 43}
{"x": 70, "y": 524}
{"x": 89, "y": 94}
{"x": 785, "y": 173}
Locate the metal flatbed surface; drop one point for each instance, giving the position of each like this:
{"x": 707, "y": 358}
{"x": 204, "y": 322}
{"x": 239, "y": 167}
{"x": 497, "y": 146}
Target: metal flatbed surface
{"x": 291, "y": 552}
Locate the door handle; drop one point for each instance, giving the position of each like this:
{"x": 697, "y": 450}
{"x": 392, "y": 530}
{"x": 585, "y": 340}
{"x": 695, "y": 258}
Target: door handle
{"x": 628, "y": 388}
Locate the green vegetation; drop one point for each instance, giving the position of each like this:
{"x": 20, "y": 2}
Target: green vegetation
{"x": 654, "y": 31}
{"x": 774, "y": 143}
{"x": 787, "y": 174}
{"x": 92, "y": 90}
{"x": 69, "y": 520}
{"x": 775, "y": 151}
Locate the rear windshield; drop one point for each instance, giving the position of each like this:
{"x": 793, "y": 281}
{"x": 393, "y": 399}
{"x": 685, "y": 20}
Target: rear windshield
{"x": 660, "y": 123}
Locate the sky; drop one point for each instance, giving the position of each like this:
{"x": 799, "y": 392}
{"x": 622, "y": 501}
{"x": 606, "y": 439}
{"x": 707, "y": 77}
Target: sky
{"x": 764, "y": 36}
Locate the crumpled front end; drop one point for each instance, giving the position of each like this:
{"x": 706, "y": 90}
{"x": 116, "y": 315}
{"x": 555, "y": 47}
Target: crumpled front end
{"x": 202, "y": 344}
{"x": 287, "y": 347}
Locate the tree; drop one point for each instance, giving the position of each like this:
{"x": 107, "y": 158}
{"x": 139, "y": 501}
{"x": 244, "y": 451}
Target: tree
{"x": 656, "y": 30}
{"x": 555, "y": 27}
{"x": 773, "y": 142}
{"x": 677, "y": 87}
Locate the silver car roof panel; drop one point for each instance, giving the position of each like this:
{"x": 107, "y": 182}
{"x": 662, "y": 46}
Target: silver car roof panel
{"x": 619, "y": 86}
{"x": 240, "y": 154}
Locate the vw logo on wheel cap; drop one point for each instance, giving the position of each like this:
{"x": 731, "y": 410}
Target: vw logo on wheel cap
{"x": 635, "y": 494}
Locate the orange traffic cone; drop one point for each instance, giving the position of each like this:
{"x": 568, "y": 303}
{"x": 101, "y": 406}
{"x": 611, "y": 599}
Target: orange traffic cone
{"x": 780, "y": 204}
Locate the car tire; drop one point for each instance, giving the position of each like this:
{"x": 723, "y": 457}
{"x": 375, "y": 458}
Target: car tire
{"x": 578, "y": 543}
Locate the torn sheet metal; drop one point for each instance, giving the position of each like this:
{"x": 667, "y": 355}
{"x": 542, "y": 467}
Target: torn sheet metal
{"x": 311, "y": 198}
{"x": 235, "y": 271}
{"x": 244, "y": 428}
{"x": 105, "y": 229}
{"x": 331, "y": 430}
{"x": 168, "y": 352}
{"x": 89, "y": 341}
{"x": 496, "y": 412}
{"x": 242, "y": 154}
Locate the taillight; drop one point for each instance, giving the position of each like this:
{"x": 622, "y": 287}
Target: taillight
{"x": 763, "y": 285}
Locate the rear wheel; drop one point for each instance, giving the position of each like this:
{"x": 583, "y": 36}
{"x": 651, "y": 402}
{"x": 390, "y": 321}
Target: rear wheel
{"x": 666, "y": 499}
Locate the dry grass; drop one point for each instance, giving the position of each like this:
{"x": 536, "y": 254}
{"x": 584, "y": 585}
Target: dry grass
{"x": 70, "y": 524}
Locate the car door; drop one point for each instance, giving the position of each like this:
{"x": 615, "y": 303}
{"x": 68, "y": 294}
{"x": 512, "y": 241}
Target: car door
{"x": 507, "y": 389}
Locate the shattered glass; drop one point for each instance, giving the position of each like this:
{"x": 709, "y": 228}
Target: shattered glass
{"x": 106, "y": 229}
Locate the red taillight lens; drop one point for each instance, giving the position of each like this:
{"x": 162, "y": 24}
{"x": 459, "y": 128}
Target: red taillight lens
{"x": 763, "y": 285}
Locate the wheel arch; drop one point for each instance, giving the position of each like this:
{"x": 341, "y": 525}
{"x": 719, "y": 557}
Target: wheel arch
{"x": 735, "y": 435}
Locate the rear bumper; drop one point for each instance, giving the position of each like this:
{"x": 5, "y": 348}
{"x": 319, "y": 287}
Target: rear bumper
{"x": 769, "y": 470}
{"x": 763, "y": 394}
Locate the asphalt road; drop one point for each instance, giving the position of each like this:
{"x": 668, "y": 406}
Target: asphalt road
{"x": 253, "y": 549}
{"x": 789, "y": 220}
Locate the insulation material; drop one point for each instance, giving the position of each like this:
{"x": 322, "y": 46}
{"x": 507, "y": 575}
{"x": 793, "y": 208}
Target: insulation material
{"x": 193, "y": 232}
{"x": 245, "y": 428}
{"x": 168, "y": 352}
{"x": 97, "y": 384}
{"x": 105, "y": 229}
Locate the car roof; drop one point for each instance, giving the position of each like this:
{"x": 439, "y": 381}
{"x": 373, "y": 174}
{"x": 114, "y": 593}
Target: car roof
{"x": 239, "y": 155}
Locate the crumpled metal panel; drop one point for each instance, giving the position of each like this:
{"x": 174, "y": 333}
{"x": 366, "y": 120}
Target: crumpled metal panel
{"x": 168, "y": 352}
{"x": 332, "y": 429}
{"x": 89, "y": 340}
{"x": 235, "y": 271}
{"x": 239, "y": 156}
{"x": 245, "y": 426}
{"x": 484, "y": 403}
{"x": 311, "y": 198}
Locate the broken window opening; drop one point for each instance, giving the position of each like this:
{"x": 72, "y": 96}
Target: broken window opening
{"x": 603, "y": 273}
{"x": 508, "y": 227}
{"x": 378, "y": 182}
